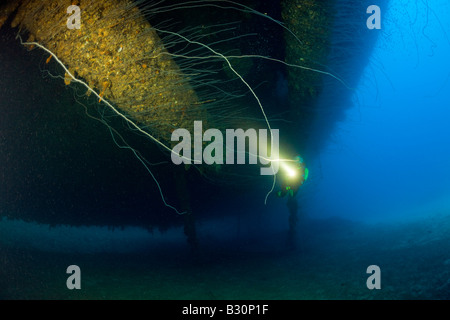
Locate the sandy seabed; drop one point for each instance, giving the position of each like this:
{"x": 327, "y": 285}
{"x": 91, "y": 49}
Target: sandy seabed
{"x": 330, "y": 262}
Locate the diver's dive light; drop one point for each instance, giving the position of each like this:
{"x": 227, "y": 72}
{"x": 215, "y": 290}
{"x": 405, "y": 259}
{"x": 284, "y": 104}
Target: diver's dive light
{"x": 289, "y": 169}
{"x": 293, "y": 168}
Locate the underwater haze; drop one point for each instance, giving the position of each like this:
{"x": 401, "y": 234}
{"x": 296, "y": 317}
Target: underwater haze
{"x": 372, "y": 221}
{"x": 390, "y": 158}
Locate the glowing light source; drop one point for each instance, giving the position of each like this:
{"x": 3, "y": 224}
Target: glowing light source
{"x": 289, "y": 170}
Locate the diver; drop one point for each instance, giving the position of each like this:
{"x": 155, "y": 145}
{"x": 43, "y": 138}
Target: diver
{"x": 296, "y": 175}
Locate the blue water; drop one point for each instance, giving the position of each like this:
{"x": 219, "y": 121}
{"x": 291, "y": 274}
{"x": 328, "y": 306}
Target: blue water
{"x": 378, "y": 194}
{"x": 390, "y": 158}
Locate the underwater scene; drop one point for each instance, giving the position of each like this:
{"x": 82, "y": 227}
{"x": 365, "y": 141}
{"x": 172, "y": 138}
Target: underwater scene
{"x": 225, "y": 150}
